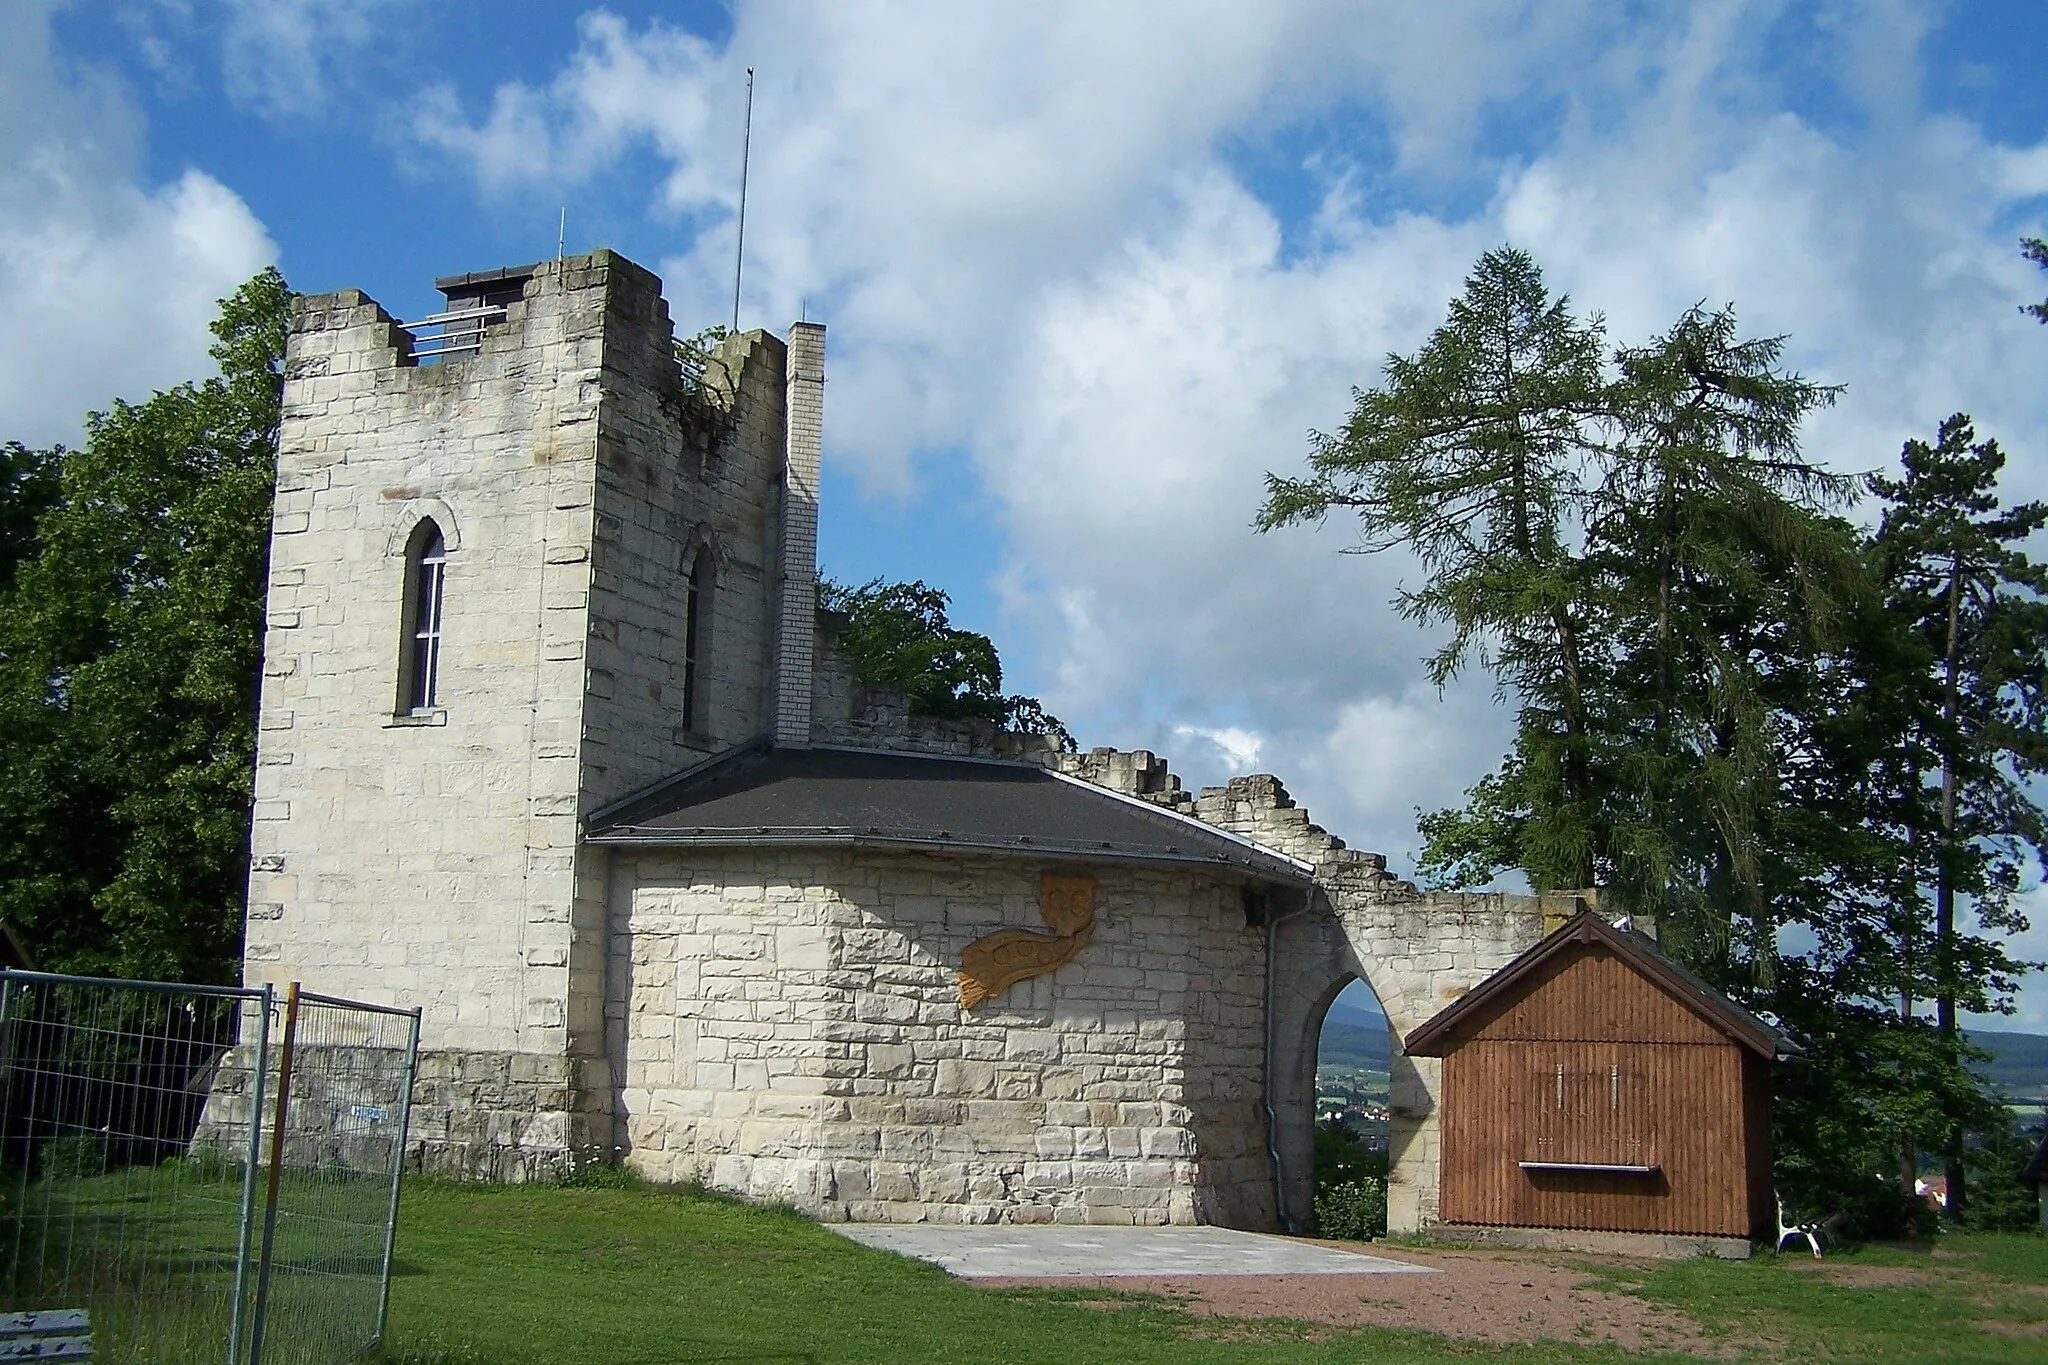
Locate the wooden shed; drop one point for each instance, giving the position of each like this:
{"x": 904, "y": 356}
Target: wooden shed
{"x": 1594, "y": 1084}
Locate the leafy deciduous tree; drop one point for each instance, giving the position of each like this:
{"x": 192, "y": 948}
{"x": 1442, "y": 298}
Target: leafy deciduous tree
{"x": 28, "y": 486}
{"x": 129, "y": 649}
{"x": 898, "y": 635}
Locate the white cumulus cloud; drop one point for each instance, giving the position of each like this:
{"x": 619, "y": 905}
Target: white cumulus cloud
{"x": 106, "y": 283}
{"x": 1040, "y": 252}
{"x": 1237, "y": 747}
{"x": 282, "y": 56}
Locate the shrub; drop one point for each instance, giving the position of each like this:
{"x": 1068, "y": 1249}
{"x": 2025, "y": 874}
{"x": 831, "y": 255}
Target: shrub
{"x": 1342, "y": 1156}
{"x": 1353, "y": 1211}
{"x": 79, "y": 1157}
{"x": 1999, "y": 1199}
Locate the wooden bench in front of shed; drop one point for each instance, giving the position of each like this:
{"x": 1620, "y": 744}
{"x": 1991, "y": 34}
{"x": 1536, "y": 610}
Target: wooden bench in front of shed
{"x": 57, "y": 1334}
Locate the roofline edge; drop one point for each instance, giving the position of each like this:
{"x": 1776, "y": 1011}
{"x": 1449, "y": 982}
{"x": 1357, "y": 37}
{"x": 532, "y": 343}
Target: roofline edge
{"x": 617, "y": 837}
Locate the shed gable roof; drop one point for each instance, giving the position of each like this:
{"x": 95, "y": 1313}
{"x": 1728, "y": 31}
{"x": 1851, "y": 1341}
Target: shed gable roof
{"x": 1448, "y": 1029}
{"x": 761, "y": 794}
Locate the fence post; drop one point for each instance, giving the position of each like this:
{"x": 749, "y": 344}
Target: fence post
{"x": 284, "y": 1099}
{"x": 412, "y": 1060}
{"x": 250, "y": 1163}
{"x": 7, "y": 1065}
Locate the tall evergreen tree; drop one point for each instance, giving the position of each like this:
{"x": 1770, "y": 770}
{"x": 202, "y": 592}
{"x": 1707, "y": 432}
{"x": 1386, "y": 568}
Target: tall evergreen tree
{"x": 129, "y": 648}
{"x": 1760, "y": 700}
{"x": 1720, "y": 579}
{"x": 1958, "y": 578}
{"x": 1474, "y": 456}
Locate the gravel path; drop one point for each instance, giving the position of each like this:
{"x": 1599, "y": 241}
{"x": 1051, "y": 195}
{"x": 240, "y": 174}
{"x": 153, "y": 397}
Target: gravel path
{"x": 1500, "y": 1297}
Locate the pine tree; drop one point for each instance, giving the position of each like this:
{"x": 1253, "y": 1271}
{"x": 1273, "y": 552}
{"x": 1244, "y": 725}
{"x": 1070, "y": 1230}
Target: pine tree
{"x": 1958, "y": 578}
{"x": 1748, "y": 734}
{"x": 1721, "y": 581}
{"x": 1473, "y": 456}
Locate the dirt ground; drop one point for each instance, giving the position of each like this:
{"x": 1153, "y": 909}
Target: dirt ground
{"x": 1499, "y": 1297}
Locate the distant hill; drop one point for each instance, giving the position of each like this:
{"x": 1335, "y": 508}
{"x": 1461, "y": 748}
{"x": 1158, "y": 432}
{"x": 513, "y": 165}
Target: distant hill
{"x": 1354, "y": 1038}
{"x": 2019, "y": 1061}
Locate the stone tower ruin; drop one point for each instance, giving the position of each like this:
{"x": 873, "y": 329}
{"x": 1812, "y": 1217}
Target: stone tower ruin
{"x": 619, "y": 552}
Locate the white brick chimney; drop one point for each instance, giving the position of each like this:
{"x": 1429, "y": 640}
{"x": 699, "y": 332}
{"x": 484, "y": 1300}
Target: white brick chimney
{"x": 797, "y": 600}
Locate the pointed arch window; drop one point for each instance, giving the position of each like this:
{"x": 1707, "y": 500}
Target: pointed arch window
{"x": 697, "y": 608}
{"x": 426, "y": 572}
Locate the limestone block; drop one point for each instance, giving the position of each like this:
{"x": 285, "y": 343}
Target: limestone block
{"x": 1032, "y": 1045}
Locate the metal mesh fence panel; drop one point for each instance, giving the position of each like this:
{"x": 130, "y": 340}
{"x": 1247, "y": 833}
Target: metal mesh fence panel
{"x": 335, "y": 1149}
{"x": 210, "y": 1174}
{"x": 108, "y": 1205}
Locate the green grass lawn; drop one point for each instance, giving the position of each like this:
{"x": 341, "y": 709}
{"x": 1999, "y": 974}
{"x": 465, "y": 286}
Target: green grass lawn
{"x": 1970, "y": 1297}
{"x": 642, "y": 1276}
{"x": 150, "y": 1252}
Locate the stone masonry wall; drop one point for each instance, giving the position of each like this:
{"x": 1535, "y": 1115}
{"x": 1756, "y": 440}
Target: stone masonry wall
{"x": 665, "y": 488}
{"x": 796, "y": 597}
{"x": 1417, "y": 951}
{"x": 677, "y": 472}
{"x": 429, "y": 859}
{"x": 787, "y": 1028}
{"x": 779, "y": 1024}
{"x": 432, "y": 860}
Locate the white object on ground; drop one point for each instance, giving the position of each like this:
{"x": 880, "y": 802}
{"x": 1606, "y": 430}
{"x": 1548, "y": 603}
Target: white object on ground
{"x": 1787, "y": 1231}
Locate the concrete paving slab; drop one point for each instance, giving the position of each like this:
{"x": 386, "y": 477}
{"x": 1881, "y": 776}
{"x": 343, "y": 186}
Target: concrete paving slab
{"x": 1049, "y": 1252}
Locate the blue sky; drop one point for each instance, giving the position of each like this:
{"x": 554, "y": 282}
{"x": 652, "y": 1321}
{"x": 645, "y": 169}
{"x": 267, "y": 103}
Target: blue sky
{"x": 1090, "y": 269}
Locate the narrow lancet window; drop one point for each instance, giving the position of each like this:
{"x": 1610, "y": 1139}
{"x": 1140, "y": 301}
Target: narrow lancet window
{"x": 697, "y": 642}
{"x": 426, "y": 572}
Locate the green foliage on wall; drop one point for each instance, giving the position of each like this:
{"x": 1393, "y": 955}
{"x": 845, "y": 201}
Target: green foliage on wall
{"x": 898, "y": 635}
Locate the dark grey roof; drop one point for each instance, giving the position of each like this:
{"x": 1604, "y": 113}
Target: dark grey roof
{"x": 760, "y": 794}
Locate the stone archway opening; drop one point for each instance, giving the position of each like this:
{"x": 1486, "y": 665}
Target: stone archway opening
{"x": 1322, "y": 986}
{"x": 1352, "y": 1059}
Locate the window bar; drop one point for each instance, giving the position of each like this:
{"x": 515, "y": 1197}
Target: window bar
{"x": 461, "y": 331}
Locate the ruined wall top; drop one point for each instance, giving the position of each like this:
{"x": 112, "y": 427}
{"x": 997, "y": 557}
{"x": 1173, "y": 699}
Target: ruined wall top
{"x": 1255, "y": 807}
{"x": 849, "y": 711}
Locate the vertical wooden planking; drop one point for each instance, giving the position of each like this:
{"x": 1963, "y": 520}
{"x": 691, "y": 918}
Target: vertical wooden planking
{"x": 1595, "y": 1063}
